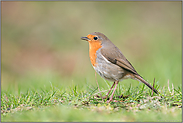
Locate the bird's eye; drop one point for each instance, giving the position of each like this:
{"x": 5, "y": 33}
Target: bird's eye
{"x": 95, "y": 38}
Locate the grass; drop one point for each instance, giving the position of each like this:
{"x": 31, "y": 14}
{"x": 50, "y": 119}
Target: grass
{"x": 47, "y": 75}
{"x": 52, "y": 103}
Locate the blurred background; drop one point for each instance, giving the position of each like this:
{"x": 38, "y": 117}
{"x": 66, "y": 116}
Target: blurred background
{"x": 41, "y": 41}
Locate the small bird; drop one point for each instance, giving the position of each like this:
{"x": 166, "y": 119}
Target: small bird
{"x": 109, "y": 62}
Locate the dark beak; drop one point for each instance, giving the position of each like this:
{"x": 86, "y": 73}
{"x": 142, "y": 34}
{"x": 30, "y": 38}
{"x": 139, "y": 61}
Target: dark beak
{"x": 85, "y": 38}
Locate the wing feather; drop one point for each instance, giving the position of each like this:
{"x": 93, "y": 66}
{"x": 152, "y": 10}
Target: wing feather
{"x": 116, "y": 57}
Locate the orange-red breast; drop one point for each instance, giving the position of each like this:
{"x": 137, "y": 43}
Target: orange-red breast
{"x": 109, "y": 62}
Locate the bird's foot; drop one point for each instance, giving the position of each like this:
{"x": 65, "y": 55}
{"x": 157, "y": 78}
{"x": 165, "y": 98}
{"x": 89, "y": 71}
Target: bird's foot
{"x": 122, "y": 96}
{"x": 105, "y": 97}
{"x": 108, "y": 101}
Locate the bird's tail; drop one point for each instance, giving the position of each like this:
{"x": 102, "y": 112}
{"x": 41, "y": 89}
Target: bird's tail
{"x": 139, "y": 78}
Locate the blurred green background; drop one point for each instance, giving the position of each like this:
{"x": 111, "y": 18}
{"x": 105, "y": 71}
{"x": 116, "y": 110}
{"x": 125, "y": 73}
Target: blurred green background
{"x": 41, "y": 41}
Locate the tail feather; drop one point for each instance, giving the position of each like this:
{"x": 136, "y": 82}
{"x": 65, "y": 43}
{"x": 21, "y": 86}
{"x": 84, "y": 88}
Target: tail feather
{"x": 139, "y": 78}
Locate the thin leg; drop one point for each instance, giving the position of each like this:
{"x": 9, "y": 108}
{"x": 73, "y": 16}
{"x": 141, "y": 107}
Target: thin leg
{"x": 110, "y": 89}
{"x": 116, "y": 82}
{"x": 106, "y": 96}
{"x": 98, "y": 86}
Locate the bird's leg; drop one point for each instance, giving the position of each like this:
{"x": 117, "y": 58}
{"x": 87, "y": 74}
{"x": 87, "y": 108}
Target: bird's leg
{"x": 116, "y": 82}
{"x": 98, "y": 86}
{"x": 109, "y": 91}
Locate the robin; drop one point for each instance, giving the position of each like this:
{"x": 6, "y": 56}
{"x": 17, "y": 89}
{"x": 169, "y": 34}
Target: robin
{"x": 109, "y": 62}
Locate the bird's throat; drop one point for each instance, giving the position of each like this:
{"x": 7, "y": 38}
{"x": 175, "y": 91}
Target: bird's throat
{"x": 94, "y": 46}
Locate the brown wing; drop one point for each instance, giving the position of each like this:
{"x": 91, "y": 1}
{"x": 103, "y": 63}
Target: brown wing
{"x": 116, "y": 57}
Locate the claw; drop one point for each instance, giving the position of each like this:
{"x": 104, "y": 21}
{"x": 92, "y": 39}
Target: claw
{"x": 105, "y": 97}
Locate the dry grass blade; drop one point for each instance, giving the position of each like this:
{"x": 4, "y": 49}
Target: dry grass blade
{"x": 168, "y": 86}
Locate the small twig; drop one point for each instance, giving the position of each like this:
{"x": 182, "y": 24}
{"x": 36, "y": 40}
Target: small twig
{"x": 98, "y": 86}
{"x": 153, "y": 88}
